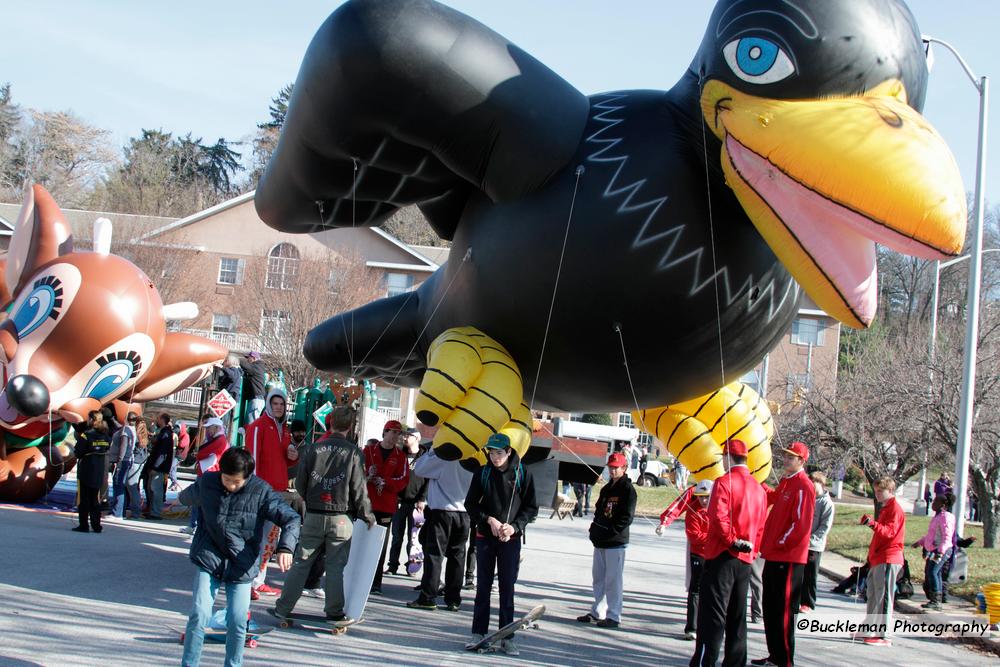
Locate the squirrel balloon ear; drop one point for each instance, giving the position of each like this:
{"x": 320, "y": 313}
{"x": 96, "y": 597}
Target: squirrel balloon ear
{"x": 40, "y": 235}
{"x": 183, "y": 361}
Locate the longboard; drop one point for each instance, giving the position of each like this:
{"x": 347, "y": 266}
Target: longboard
{"x": 366, "y": 546}
{"x": 216, "y": 634}
{"x": 314, "y": 622}
{"x": 529, "y": 620}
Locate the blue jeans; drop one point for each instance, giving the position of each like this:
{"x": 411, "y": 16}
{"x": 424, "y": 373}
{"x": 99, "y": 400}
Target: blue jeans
{"x": 118, "y": 490}
{"x": 237, "y": 608}
{"x": 932, "y": 573}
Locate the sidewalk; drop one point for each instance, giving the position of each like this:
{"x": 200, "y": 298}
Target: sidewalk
{"x": 836, "y": 567}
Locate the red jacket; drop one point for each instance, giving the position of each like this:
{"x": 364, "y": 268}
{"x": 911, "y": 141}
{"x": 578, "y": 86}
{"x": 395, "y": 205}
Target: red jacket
{"x": 393, "y": 470}
{"x": 695, "y": 520}
{"x": 268, "y": 444}
{"x": 888, "y": 535}
{"x": 736, "y": 512}
{"x": 205, "y": 453}
{"x": 789, "y": 525}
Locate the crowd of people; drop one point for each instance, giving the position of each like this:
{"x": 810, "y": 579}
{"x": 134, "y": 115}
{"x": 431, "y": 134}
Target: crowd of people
{"x": 284, "y": 498}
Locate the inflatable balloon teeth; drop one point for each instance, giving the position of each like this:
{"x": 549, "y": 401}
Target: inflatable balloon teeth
{"x": 695, "y": 430}
{"x": 81, "y": 330}
{"x": 824, "y": 180}
{"x": 471, "y": 390}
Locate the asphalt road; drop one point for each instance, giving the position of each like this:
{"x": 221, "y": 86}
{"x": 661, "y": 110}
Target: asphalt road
{"x": 115, "y": 599}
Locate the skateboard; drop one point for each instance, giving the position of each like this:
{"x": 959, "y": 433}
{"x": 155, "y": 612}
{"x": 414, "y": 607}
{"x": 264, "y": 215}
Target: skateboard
{"x": 314, "y": 622}
{"x": 416, "y": 555}
{"x": 529, "y": 620}
{"x": 216, "y": 630}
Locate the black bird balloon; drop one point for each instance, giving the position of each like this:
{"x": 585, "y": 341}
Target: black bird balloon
{"x": 626, "y": 250}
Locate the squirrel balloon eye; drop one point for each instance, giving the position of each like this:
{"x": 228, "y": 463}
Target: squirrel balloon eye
{"x": 44, "y": 300}
{"x": 757, "y": 60}
{"x": 116, "y": 369}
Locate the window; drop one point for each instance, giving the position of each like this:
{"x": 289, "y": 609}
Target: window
{"x": 282, "y": 266}
{"x": 806, "y": 331}
{"x": 223, "y": 324}
{"x": 274, "y": 324}
{"x": 398, "y": 283}
{"x": 388, "y": 397}
{"x": 230, "y": 271}
{"x": 625, "y": 421}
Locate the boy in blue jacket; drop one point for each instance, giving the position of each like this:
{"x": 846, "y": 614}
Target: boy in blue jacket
{"x": 233, "y": 506}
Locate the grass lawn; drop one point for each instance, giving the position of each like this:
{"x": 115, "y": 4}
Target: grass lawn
{"x": 850, "y": 539}
{"x": 653, "y": 500}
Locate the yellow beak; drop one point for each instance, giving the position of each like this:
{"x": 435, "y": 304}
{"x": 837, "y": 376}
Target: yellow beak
{"x": 824, "y": 180}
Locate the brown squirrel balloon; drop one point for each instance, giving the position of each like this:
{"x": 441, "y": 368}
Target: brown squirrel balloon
{"x": 79, "y": 330}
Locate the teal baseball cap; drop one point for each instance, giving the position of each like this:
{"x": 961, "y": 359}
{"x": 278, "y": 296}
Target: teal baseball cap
{"x": 498, "y": 441}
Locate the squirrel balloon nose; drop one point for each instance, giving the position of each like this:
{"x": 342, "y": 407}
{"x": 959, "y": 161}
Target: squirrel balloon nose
{"x": 27, "y": 395}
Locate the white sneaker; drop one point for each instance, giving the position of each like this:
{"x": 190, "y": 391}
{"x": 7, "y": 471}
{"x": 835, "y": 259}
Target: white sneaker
{"x": 187, "y": 530}
{"x": 315, "y": 593}
{"x": 476, "y": 638}
{"x": 509, "y": 646}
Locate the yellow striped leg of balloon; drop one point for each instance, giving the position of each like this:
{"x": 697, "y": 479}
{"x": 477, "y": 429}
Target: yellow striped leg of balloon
{"x": 695, "y": 430}
{"x": 471, "y": 390}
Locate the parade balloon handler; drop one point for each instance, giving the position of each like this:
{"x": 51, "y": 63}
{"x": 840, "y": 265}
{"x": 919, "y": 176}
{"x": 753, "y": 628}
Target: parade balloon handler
{"x": 161, "y": 457}
{"x": 235, "y": 507}
{"x": 736, "y": 513}
{"x": 331, "y": 482}
{"x": 785, "y": 550}
{"x": 388, "y": 473}
{"x": 693, "y": 504}
{"x": 413, "y": 497}
{"x": 609, "y": 533}
{"x": 937, "y": 549}
{"x": 823, "y": 516}
{"x": 445, "y": 535}
{"x": 501, "y": 503}
{"x": 207, "y": 458}
{"x": 255, "y": 375}
{"x": 123, "y": 444}
{"x": 269, "y": 441}
{"x": 885, "y": 556}
{"x": 91, "y": 452}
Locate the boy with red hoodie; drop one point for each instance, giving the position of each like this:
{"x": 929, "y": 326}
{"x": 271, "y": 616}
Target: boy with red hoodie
{"x": 785, "y": 550}
{"x": 693, "y": 504}
{"x": 388, "y": 472}
{"x": 268, "y": 439}
{"x": 207, "y": 458}
{"x": 885, "y": 557}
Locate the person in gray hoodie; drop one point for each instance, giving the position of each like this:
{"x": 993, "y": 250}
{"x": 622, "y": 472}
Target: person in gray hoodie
{"x": 445, "y": 534}
{"x": 822, "y": 522}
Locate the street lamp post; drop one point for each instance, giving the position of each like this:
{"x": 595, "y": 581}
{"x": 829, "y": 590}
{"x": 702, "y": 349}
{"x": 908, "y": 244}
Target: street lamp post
{"x": 965, "y": 413}
{"x": 938, "y": 265}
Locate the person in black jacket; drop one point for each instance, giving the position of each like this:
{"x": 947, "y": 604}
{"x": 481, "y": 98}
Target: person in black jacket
{"x": 613, "y": 514}
{"x": 161, "y": 458}
{"x": 501, "y": 502}
{"x": 91, "y": 452}
{"x": 254, "y": 373}
{"x": 234, "y": 505}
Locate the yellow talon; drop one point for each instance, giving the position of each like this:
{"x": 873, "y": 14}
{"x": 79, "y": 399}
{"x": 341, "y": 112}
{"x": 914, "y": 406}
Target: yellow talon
{"x": 694, "y": 430}
{"x": 471, "y": 390}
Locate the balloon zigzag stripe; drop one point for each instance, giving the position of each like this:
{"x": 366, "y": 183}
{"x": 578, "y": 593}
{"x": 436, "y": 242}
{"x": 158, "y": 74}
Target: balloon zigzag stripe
{"x": 604, "y": 111}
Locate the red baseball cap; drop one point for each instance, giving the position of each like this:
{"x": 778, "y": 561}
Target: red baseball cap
{"x": 617, "y": 460}
{"x": 734, "y": 447}
{"x": 392, "y": 425}
{"x": 798, "y": 449}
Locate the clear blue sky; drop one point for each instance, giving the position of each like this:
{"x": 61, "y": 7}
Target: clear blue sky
{"x": 211, "y": 67}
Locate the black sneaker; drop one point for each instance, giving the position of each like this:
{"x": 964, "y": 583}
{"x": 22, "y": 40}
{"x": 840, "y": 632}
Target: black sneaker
{"x": 453, "y": 606}
{"x": 336, "y": 618}
{"x": 763, "y": 662}
{"x": 81, "y": 529}
{"x": 470, "y": 585}
{"x": 607, "y": 623}
{"x": 376, "y": 590}
{"x": 392, "y": 571}
{"x": 422, "y": 603}
{"x": 586, "y": 618}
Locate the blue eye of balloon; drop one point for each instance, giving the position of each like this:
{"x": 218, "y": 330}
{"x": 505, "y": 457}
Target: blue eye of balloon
{"x": 757, "y": 60}
{"x": 44, "y": 300}
{"x": 116, "y": 368}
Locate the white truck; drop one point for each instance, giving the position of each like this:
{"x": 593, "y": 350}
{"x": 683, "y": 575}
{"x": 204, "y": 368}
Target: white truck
{"x": 655, "y": 473}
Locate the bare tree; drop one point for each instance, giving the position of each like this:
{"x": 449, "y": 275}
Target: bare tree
{"x": 291, "y": 296}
